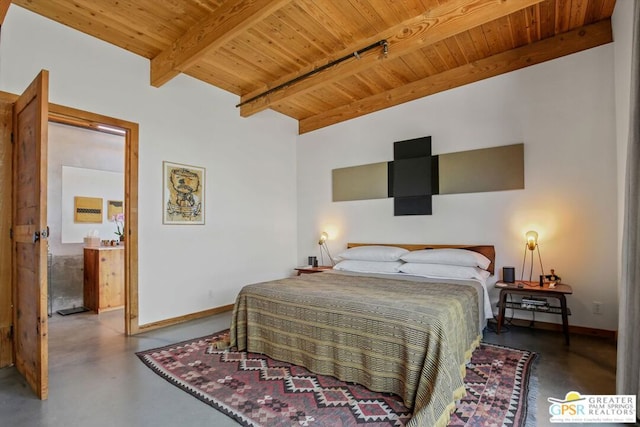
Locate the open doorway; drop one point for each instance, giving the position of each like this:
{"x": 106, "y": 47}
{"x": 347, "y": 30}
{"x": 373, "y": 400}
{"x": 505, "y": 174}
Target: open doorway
{"x": 85, "y": 260}
{"x": 129, "y": 132}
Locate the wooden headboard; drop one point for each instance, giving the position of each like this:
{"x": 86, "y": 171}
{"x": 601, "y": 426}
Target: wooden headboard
{"x": 487, "y": 250}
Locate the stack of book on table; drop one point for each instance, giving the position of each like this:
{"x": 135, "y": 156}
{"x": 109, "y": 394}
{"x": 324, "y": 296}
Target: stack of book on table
{"x": 534, "y": 303}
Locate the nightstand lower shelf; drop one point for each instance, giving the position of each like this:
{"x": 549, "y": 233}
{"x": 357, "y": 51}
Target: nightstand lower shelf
{"x": 548, "y": 309}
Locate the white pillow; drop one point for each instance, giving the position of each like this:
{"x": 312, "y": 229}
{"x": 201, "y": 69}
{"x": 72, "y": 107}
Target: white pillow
{"x": 373, "y": 253}
{"x": 444, "y": 271}
{"x": 449, "y": 256}
{"x": 368, "y": 266}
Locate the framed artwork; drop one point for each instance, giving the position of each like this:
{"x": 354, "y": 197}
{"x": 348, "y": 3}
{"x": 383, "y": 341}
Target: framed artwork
{"x": 114, "y": 208}
{"x": 87, "y": 209}
{"x": 183, "y": 194}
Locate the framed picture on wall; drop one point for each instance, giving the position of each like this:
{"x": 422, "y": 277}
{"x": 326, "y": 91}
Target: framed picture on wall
{"x": 114, "y": 208}
{"x": 87, "y": 209}
{"x": 183, "y": 194}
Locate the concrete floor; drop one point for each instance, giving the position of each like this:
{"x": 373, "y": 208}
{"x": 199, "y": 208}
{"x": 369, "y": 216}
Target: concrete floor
{"x": 95, "y": 379}
{"x": 587, "y": 366}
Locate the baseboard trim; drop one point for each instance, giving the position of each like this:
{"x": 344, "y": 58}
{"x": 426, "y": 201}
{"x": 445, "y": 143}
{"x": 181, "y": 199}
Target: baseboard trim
{"x": 187, "y": 317}
{"x": 557, "y": 327}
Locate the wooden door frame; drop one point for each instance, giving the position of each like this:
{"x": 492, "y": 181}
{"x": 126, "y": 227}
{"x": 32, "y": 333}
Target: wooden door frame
{"x": 74, "y": 117}
{"x": 6, "y": 244}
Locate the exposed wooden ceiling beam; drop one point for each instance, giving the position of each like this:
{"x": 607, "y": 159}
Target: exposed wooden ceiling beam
{"x": 221, "y": 26}
{"x": 4, "y": 7}
{"x": 554, "y": 47}
{"x": 434, "y": 25}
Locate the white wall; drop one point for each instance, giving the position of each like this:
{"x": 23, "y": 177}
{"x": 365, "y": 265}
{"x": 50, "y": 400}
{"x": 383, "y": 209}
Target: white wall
{"x": 95, "y": 183}
{"x": 250, "y": 227}
{"x": 562, "y": 110}
{"x": 82, "y": 148}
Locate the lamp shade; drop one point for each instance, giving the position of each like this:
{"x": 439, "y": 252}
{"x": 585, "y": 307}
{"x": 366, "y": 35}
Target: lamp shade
{"x": 532, "y": 239}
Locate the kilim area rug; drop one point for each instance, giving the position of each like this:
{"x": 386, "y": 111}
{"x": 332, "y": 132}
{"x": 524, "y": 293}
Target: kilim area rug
{"x": 256, "y": 390}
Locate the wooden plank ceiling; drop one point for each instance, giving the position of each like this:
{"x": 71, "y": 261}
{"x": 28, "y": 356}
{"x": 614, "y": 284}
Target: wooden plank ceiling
{"x": 418, "y": 47}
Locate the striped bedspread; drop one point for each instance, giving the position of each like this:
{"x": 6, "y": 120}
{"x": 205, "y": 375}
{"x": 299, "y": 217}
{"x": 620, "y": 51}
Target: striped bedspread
{"x": 399, "y": 336}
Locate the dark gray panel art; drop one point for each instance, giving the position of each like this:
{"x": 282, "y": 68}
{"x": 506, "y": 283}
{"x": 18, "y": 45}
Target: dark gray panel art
{"x": 487, "y": 169}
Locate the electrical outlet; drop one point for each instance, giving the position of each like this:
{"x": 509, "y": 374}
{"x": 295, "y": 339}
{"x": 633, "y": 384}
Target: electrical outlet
{"x": 597, "y": 307}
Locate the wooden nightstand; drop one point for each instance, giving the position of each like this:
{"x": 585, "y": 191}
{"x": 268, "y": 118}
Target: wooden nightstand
{"x": 534, "y": 290}
{"x": 311, "y": 270}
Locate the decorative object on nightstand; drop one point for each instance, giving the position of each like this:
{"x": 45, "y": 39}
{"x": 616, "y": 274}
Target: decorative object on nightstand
{"x": 322, "y": 241}
{"x": 531, "y": 245}
{"x": 553, "y": 279}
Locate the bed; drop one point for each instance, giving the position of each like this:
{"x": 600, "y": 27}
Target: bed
{"x": 390, "y": 331}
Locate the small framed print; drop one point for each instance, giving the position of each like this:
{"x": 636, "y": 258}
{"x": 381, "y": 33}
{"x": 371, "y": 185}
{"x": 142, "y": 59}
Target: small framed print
{"x": 114, "y": 207}
{"x": 183, "y": 194}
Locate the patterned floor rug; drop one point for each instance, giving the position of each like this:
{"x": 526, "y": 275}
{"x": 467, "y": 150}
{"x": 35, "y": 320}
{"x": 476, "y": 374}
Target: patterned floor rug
{"x": 258, "y": 391}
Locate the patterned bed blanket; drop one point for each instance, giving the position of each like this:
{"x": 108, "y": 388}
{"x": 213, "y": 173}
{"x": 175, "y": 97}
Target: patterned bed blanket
{"x": 404, "y": 337}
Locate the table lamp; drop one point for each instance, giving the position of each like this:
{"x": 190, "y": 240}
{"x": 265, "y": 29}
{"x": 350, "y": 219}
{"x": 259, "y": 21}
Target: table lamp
{"x": 531, "y": 245}
{"x": 322, "y": 241}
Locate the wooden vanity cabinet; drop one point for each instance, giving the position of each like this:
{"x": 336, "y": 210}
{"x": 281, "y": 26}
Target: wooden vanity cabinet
{"x": 104, "y": 278}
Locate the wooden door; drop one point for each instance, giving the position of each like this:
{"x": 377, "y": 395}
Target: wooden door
{"x": 29, "y": 227}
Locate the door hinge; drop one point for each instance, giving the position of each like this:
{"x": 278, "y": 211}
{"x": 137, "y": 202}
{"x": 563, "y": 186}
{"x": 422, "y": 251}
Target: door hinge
{"x": 12, "y": 137}
{"x": 11, "y": 233}
{"x": 11, "y": 332}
